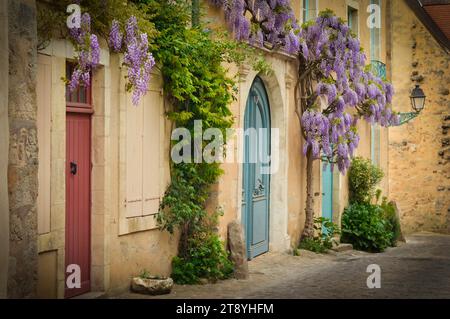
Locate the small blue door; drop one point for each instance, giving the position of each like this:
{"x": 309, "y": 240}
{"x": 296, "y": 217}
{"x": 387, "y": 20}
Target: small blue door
{"x": 327, "y": 192}
{"x": 256, "y": 171}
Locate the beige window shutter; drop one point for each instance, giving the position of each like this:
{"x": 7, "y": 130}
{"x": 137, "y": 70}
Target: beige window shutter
{"x": 151, "y": 151}
{"x": 134, "y": 159}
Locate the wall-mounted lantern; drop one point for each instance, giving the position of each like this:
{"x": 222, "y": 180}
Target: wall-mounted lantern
{"x": 417, "y": 103}
{"x": 417, "y": 99}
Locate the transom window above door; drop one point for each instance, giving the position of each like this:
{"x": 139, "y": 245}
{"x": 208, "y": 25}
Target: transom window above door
{"x": 80, "y": 97}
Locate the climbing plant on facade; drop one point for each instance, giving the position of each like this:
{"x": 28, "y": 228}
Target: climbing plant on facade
{"x": 334, "y": 86}
{"x": 271, "y": 24}
{"x": 88, "y": 53}
{"x": 137, "y": 57}
{"x": 335, "y": 89}
{"x": 199, "y": 88}
{"x": 123, "y": 24}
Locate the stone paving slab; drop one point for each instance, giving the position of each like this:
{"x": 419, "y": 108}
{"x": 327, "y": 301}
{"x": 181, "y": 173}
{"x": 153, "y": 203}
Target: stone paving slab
{"x": 420, "y": 268}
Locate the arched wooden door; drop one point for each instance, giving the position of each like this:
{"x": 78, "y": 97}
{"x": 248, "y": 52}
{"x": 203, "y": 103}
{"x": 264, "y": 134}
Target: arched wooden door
{"x": 256, "y": 171}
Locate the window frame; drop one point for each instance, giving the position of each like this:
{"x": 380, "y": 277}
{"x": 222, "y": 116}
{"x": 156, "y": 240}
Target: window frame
{"x": 352, "y": 21}
{"x": 376, "y": 36}
{"x": 77, "y": 106}
{"x": 309, "y": 6}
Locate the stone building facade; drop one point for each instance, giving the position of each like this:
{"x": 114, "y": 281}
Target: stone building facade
{"x": 419, "y": 161}
{"x": 4, "y": 142}
{"x": 19, "y": 142}
{"x": 123, "y": 236}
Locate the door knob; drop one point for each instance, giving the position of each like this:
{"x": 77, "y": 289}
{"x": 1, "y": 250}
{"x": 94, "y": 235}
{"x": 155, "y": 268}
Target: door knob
{"x": 73, "y": 168}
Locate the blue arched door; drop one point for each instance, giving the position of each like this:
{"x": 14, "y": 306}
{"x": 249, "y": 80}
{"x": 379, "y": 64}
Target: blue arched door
{"x": 256, "y": 171}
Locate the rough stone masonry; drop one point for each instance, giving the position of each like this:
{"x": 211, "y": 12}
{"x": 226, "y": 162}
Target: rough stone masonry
{"x": 23, "y": 150}
{"x": 419, "y": 151}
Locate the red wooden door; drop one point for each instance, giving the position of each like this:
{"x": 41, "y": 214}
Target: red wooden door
{"x": 78, "y": 198}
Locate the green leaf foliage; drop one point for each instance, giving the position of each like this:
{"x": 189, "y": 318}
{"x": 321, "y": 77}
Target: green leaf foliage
{"x": 325, "y": 231}
{"x": 205, "y": 256}
{"x": 365, "y": 227}
{"x": 390, "y": 216}
{"x": 363, "y": 179}
{"x": 52, "y": 17}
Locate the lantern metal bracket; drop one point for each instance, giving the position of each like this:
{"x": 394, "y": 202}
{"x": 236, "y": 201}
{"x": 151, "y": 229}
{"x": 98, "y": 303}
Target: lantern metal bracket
{"x": 406, "y": 117}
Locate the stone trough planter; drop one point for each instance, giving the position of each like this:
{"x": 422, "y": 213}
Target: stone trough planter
{"x": 151, "y": 285}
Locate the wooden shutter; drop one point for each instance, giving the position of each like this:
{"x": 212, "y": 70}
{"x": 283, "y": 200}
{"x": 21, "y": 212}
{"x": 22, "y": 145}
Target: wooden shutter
{"x": 134, "y": 164}
{"x": 43, "y": 96}
{"x": 151, "y": 152}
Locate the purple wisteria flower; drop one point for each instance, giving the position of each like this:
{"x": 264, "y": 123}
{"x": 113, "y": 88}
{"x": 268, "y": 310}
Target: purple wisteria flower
{"x": 340, "y": 75}
{"x": 115, "y": 37}
{"x": 88, "y": 49}
{"x": 138, "y": 59}
{"x": 273, "y": 21}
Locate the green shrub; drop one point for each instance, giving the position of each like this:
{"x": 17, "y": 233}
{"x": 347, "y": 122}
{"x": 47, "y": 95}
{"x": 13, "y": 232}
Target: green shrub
{"x": 205, "y": 256}
{"x": 313, "y": 244}
{"x": 325, "y": 230}
{"x": 393, "y": 222}
{"x": 365, "y": 227}
{"x": 207, "y": 259}
{"x": 363, "y": 178}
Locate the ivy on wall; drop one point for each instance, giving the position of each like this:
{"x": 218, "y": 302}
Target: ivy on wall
{"x": 200, "y": 88}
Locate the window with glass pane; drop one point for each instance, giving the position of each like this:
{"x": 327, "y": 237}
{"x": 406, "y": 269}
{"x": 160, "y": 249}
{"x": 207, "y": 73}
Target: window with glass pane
{"x": 309, "y": 9}
{"x": 352, "y": 18}
{"x": 375, "y": 56}
{"x": 305, "y": 10}
{"x": 375, "y": 38}
{"x": 81, "y": 97}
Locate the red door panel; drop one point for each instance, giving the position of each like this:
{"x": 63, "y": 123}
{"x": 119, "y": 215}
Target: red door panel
{"x": 78, "y": 198}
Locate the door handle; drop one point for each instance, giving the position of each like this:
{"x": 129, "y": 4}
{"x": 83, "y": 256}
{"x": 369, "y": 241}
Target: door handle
{"x": 73, "y": 168}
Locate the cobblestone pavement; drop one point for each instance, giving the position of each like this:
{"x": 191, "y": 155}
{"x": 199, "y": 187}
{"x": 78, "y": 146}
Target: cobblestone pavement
{"x": 418, "y": 269}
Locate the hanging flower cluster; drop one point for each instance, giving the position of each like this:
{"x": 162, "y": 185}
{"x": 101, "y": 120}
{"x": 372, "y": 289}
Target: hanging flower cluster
{"x": 272, "y": 22}
{"x": 137, "y": 57}
{"x": 338, "y": 88}
{"x": 337, "y": 65}
{"x": 335, "y": 136}
{"x": 115, "y": 37}
{"x": 88, "y": 50}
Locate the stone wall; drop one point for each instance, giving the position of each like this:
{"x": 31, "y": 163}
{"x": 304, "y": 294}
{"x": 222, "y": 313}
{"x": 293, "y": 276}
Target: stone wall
{"x": 23, "y": 150}
{"x": 4, "y": 142}
{"x": 419, "y": 152}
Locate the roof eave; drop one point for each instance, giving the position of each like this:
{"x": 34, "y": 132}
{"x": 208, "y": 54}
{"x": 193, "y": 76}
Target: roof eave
{"x": 432, "y": 27}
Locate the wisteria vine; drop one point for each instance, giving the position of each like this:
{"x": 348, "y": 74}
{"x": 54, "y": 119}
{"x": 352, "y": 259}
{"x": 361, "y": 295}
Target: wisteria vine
{"x": 272, "y": 24}
{"x": 336, "y": 87}
{"x": 137, "y": 57}
{"x": 338, "y": 90}
{"x": 132, "y": 43}
{"x": 88, "y": 53}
